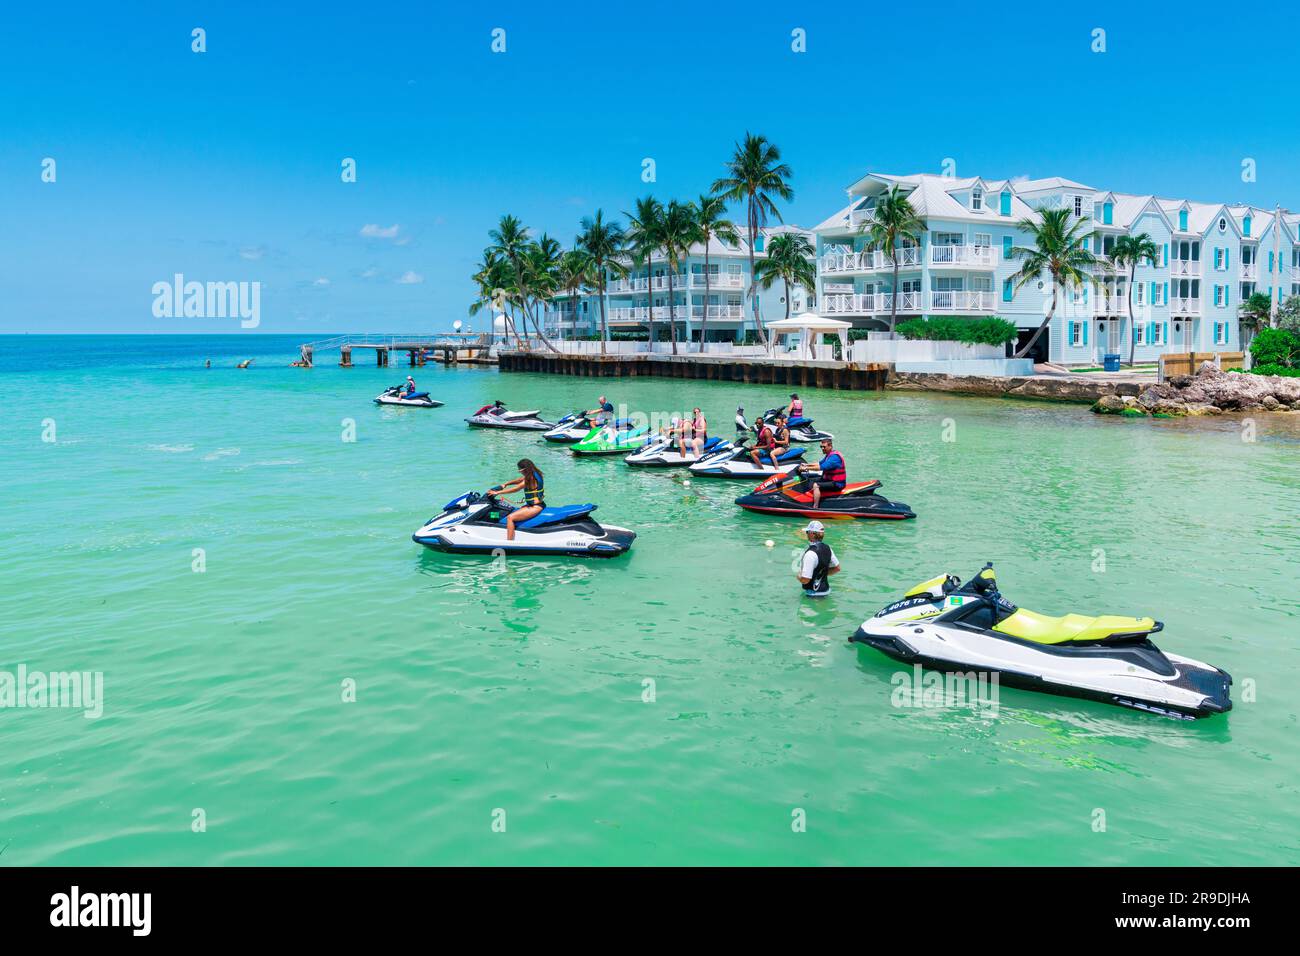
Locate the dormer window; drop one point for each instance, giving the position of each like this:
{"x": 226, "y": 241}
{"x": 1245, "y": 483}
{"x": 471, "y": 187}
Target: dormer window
{"x": 977, "y": 200}
{"x": 1245, "y": 226}
{"x": 1078, "y": 207}
{"x": 1182, "y": 220}
{"x": 1005, "y": 203}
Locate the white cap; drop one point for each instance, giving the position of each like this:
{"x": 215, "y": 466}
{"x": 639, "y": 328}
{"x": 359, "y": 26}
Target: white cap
{"x": 816, "y": 526}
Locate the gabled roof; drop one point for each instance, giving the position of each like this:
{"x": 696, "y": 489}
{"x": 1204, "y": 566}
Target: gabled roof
{"x": 1050, "y": 184}
{"x": 1129, "y": 209}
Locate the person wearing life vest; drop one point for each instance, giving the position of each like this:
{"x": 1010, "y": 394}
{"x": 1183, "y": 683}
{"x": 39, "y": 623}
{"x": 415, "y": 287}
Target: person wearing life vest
{"x": 410, "y": 386}
{"x": 818, "y": 562}
{"x": 795, "y": 408}
{"x": 780, "y": 437}
{"x": 833, "y": 473}
{"x": 531, "y": 484}
{"x": 765, "y": 442}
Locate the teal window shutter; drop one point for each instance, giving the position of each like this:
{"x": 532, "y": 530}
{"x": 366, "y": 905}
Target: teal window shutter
{"x": 1270, "y": 262}
{"x": 1107, "y": 213}
{"x": 1007, "y": 292}
{"x": 1182, "y": 220}
{"x": 1245, "y": 225}
{"x": 1085, "y": 333}
{"x": 1225, "y": 295}
{"x": 1006, "y": 246}
{"x": 1152, "y": 297}
{"x": 1004, "y": 203}
{"x": 1166, "y": 301}
{"x": 1165, "y": 338}
{"x": 1166, "y": 254}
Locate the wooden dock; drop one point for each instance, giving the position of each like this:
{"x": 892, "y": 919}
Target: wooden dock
{"x": 720, "y": 368}
{"x": 450, "y": 348}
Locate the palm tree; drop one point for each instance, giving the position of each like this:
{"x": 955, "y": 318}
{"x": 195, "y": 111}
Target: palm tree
{"x": 493, "y": 278}
{"x": 677, "y": 231}
{"x": 789, "y": 258}
{"x": 644, "y": 239}
{"x": 603, "y": 242}
{"x": 573, "y": 274}
{"x": 540, "y": 279}
{"x": 510, "y": 240}
{"x": 1252, "y": 314}
{"x": 1060, "y": 251}
{"x": 711, "y": 223}
{"x": 894, "y": 225}
{"x": 755, "y": 174}
{"x": 1129, "y": 252}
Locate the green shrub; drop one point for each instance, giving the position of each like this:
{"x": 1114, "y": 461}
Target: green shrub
{"x": 1270, "y": 369}
{"x": 992, "y": 330}
{"x": 1275, "y": 347}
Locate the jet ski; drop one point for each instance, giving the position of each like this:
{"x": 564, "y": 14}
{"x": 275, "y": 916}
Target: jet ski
{"x": 616, "y": 439}
{"x": 476, "y": 524}
{"x": 572, "y": 427}
{"x": 660, "y": 452}
{"x": 801, "y": 429}
{"x": 957, "y": 627}
{"x": 791, "y": 494}
{"x": 734, "y": 462}
{"x": 496, "y": 416}
{"x": 396, "y": 396}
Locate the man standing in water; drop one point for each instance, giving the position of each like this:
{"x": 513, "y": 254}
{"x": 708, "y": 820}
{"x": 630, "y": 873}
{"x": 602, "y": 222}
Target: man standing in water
{"x": 818, "y": 562}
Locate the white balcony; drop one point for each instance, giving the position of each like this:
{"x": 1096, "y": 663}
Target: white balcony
{"x": 720, "y": 280}
{"x": 869, "y": 303}
{"x": 839, "y": 263}
{"x": 717, "y": 313}
{"x": 1185, "y": 306}
{"x": 961, "y": 301}
{"x": 963, "y": 257}
{"x": 1184, "y": 267}
{"x": 1115, "y": 305}
{"x": 1249, "y": 272}
{"x": 859, "y": 216}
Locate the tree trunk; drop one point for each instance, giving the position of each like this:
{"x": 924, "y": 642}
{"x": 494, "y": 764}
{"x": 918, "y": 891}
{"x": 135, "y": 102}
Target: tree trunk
{"x": 604, "y": 326}
{"x": 1033, "y": 339}
{"x": 893, "y": 298}
{"x": 672, "y": 310}
{"x": 704, "y": 320}
{"x": 649, "y": 297}
{"x": 786, "y": 280}
{"x": 1132, "y": 327}
{"x": 753, "y": 285}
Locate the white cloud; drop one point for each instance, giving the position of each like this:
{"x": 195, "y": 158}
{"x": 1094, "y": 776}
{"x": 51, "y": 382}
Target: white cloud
{"x": 252, "y": 252}
{"x": 410, "y": 278}
{"x": 321, "y": 281}
{"x": 370, "y": 273}
{"x": 373, "y": 230}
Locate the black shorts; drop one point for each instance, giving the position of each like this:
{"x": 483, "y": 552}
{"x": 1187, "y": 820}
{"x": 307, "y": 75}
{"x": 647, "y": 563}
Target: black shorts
{"x": 825, "y": 485}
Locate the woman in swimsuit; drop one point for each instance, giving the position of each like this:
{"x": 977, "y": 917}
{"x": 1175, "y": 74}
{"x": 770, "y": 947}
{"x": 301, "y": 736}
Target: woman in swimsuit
{"x": 701, "y": 427}
{"x": 530, "y": 483}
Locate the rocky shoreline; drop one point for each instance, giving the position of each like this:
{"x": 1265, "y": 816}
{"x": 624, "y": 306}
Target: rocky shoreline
{"x": 1210, "y": 391}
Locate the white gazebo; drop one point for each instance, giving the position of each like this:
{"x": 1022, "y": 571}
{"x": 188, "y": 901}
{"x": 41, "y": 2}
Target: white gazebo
{"x": 810, "y": 325}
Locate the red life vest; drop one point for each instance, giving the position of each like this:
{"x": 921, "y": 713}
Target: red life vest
{"x": 834, "y": 472}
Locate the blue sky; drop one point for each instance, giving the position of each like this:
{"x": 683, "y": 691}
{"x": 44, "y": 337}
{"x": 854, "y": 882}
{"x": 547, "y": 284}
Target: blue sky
{"x": 225, "y": 165}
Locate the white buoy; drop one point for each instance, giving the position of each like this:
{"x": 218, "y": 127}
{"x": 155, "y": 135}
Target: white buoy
{"x": 686, "y": 482}
{"x": 769, "y": 543}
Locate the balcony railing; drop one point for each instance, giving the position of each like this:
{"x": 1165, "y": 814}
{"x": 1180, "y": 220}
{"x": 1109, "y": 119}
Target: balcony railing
{"x": 1250, "y": 272}
{"x": 719, "y": 280}
{"x": 1115, "y": 305}
{"x": 660, "y": 313}
{"x": 1185, "y": 306}
{"x": 869, "y": 303}
{"x": 971, "y": 257}
{"x": 961, "y": 301}
{"x": 1184, "y": 267}
{"x": 869, "y": 261}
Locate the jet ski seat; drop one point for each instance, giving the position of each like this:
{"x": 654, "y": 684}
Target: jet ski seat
{"x": 796, "y": 422}
{"x": 1072, "y": 628}
{"x": 552, "y": 515}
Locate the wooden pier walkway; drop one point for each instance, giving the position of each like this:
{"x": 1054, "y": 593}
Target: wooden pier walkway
{"x": 722, "y": 368}
{"x": 450, "y": 347}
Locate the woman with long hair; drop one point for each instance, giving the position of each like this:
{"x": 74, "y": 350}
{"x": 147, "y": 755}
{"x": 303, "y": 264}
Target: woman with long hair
{"x": 530, "y": 483}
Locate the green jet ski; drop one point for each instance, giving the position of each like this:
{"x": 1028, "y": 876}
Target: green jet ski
{"x": 620, "y": 438}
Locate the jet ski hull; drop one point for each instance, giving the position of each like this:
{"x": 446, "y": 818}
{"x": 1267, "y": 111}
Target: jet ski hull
{"x": 422, "y": 403}
{"x": 613, "y": 542}
{"x": 520, "y": 422}
{"x": 661, "y": 454}
{"x": 857, "y": 501}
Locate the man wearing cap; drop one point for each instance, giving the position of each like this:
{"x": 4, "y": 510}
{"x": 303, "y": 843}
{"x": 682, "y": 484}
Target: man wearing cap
{"x": 818, "y": 562}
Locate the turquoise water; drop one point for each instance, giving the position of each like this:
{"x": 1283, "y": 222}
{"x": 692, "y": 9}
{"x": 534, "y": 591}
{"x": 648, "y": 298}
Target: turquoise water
{"x": 519, "y": 688}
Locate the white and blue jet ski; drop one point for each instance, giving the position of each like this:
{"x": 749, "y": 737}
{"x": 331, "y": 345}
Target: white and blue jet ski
{"x": 970, "y": 628}
{"x": 476, "y": 524}
{"x": 398, "y": 396}
{"x": 801, "y": 429}
{"x": 735, "y": 462}
{"x": 660, "y": 452}
{"x": 497, "y": 416}
{"x": 573, "y": 427}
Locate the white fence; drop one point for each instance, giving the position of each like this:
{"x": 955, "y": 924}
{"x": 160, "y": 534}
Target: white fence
{"x": 660, "y": 348}
{"x": 884, "y": 349}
